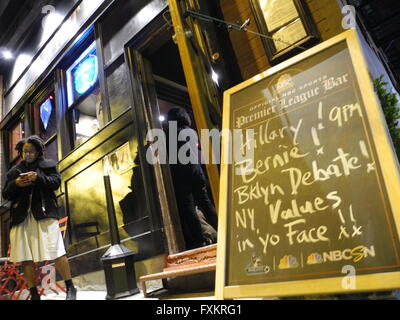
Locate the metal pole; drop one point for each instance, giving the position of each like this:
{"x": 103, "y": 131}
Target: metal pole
{"x": 237, "y": 27}
{"x": 112, "y": 220}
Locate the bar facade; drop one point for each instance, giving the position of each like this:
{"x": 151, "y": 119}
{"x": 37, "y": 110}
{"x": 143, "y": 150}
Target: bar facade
{"x": 107, "y": 72}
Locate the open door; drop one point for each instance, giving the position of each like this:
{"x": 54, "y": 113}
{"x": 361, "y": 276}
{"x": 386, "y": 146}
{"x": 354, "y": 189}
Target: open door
{"x": 202, "y": 91}
{"x": 147, "y": 115}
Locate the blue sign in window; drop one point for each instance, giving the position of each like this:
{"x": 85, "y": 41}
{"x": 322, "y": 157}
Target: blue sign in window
{"x": 82, "y": 75}
{"x": 45, "y": 112}
{"x": 85, "y": 75}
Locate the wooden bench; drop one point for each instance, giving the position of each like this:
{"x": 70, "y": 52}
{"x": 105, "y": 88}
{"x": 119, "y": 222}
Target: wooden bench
{"x": 182, "y": 264}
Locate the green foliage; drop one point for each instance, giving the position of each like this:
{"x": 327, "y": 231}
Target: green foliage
{"x": 390, "y": 107}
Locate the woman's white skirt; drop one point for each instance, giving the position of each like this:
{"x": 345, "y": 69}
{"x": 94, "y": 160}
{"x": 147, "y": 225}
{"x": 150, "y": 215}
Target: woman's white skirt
{"x": 36, "y": 241}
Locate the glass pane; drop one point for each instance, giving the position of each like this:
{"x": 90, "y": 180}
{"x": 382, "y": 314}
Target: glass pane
{"x": 127, "y": 186}
{"x": 278, "y": 13}
{"x": 16, "y": 134}
{"x": 82, "y": 75}
{"x": 118, "y": 90}
{"x": 87, "y": 117}
{"x": 87, "y": 203}
{"x": 289, "y": 35}
{"x": 128, "y": 194}
{"x": 87, "y": 197}
{"x": 51, "y": 151}
{"x": 48, "y": 121}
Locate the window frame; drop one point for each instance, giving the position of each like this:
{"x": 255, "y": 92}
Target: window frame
{"x": 108, "y": 71}
{"x": 77, "y": 61}
{"x": 105, "y": 71}
{"x": 37, "y": 101}
{"x": 20, "y": 120}
{"x": 83, "y": 45}
{"x": 71, "y": 115}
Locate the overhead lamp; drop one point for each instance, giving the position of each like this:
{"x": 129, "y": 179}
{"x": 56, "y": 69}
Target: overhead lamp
{"x": 7, "y": 54}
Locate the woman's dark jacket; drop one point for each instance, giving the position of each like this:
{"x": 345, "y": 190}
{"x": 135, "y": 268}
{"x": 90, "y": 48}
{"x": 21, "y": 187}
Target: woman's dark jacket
{"x": 44, "y": 202}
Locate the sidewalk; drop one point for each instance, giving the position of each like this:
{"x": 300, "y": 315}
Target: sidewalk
{"x": 101, "y": 295}
{"x": 89, "y": 295}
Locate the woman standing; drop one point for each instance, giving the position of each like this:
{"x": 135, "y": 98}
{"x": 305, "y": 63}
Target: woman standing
{"x": 35, "y": 235}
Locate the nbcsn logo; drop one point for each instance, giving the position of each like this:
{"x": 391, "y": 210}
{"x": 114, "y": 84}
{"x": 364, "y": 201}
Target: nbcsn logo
{"x": 356, "y": 254}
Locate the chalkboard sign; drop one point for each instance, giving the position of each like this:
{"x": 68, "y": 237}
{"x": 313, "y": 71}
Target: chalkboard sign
{"x": 315, "y": 209}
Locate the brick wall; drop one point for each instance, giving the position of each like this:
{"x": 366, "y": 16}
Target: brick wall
{"x": 327, "y": 16}
{"x": 249, "y": 49}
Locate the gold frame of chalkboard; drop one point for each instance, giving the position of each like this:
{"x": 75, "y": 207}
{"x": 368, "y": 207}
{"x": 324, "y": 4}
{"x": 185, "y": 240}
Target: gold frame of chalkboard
{"x": 390, "y": 174}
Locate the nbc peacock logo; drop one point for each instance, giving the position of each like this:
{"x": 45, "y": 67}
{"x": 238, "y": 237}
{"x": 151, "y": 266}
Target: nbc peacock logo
{"x": 314, "y": 258}
{"x": 288, "y": 262}
{"x": 284, "y": 83}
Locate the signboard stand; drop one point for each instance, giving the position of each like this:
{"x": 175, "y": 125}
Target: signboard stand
{"x": 316, "y": 208}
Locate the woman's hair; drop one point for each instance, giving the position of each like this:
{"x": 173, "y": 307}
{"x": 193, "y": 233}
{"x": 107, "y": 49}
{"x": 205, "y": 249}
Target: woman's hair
{"x": 35, "y": 141}
{"x": 179, "y": 115}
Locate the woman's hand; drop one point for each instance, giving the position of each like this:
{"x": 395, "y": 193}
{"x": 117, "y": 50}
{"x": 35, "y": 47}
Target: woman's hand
{"x": 26, "y": 179}
{"x": 32, "y": 176}
{"x": 23, "y": 181}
